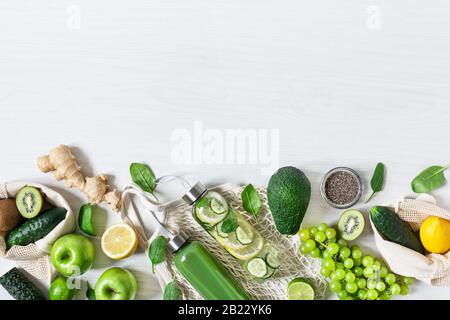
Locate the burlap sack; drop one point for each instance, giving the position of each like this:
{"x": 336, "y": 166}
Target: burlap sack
{"x": 433, "y": 269}
{"x": 34, "y": 258}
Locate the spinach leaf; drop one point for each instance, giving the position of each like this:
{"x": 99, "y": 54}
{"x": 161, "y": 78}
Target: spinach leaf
{"x": 377, "y": 181}
{"x": 171, "y": 292}
{"x": 157, "y": 251}
{"x": 229, "y": 225}
{"x": 90, "y": 293}
{"x": 429, "y": 179}
{"x": 250, "y": 200}
{"x": 143, "y": 176}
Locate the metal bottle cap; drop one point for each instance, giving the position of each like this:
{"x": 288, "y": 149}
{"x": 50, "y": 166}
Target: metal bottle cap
{"x": 177, "y": 241}
{"x": 194, "y": 193}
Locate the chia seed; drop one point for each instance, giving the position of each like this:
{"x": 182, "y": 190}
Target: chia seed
{"x": 342, "y": 188}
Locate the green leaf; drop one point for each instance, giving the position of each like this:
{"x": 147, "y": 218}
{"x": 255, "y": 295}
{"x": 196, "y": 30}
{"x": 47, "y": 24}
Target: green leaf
{"x": 143, "y": 176}
{"x": 157, "y": 251}
{"x": 85, "y": 220}
{"x": 429, "y": 179}
{"x": 377, "y": 181}
{"x": 229, "y": 224}
{"x": 90, "y": 293}
{"x": 250, "y": 200}
{"x": 171, "y": 292}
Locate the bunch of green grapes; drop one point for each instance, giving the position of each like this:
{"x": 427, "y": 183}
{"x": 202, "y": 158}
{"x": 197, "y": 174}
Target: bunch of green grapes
{"x": 352, "y": 275}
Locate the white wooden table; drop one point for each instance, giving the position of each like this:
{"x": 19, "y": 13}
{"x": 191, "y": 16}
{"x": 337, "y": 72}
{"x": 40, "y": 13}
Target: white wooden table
{"x": 345, "y": 83}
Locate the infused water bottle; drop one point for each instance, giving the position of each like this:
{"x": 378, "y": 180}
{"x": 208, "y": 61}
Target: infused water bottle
{"x": 233, "y": 232}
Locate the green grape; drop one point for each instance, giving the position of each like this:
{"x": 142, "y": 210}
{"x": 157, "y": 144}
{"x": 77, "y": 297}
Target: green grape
{"x": 351, "y": 287}
{"x": 362, "y": 294}
{"x": 313, "y": 231}
{"x": 361, "y": 283}
{"x": 358, "y": 271}
{"x": 315, "y": 253}
{"x": 367, "y": 261}
{"x": 344, "y": 253}
{"x": 339, "y": 265}
{"x": 376, "y": 266}
{"x": 322, "y": 227}
{"x": 342, "y": 294}
{"x": 340, "y": 274}
{"x": 385, "y": 296}
{"x": 304, "y": 234}
{"x": 372, "y": 294}
{"x": 368, "y": 272}
{"x": 333, "y": 248}
{"x": 390, "y": 278}
{"x": 381, "y": 286}
{"x": 383, "y": 272}
{"x": 330, "y": 233}
{"x": 371, "y": 284}
{"x": 328, "y": 264}
{"x": 325, "y": 272}
{"x": 342, "y": 242}
{"x": 349, "y": 298}
{"x": 357, "y": 262}
{"x": 332, "y": 276}
{"x": 335, "y": 286}
{"x": 356, "y": 253}
{"x": 327, "y": 255}
{"x": 355, "y": 247}
{"x": 348, "y": 263}
{"x": 395, "y": 289}
{"x": 407, "y": 280}
{"x": 320, "y": 236}
{"x": 350, "y": 277}
{"x": 332, "y": 240}
{"x": 404, "y": 290}
{"x": 309, "y": 245}
{"x": 303, "y": 248}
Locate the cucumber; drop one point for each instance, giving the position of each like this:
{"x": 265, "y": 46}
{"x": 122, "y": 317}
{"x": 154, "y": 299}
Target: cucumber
{"x": 394, "y": 229}
{"x": 257, "y": 267}
{"x": 218, "y": 206}
{"x": 219, "y": 230}
{"x": 272, "y": 258}
{"x": 19, "y": 287}
{"x": 243, "y": 236}
{"x": 270, "y": 273}
{"x": 35, "y": 229}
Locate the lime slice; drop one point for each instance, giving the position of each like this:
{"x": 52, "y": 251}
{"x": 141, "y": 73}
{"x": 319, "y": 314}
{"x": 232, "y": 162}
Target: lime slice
{"x": 300, "y": 289}
{"x": 249, "y": 251}
{"x": 257, "y": 267}
{"x": 206, "y": 215}
{"x": 244, "y": 237}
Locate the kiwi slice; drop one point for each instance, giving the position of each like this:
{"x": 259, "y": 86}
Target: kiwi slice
{"x": 29, "y": 202}
{"x": 351, "y": 224}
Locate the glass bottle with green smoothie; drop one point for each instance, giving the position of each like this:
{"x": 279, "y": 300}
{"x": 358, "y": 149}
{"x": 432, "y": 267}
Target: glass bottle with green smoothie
{"x": 233, "y": 232}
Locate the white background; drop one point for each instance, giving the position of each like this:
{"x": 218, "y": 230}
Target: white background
{"x": 340, "y": 92}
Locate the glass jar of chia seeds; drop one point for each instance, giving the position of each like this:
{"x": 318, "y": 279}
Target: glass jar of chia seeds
{"x": 342, "y": 187}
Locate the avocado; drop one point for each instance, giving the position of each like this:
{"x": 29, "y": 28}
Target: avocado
{"x": 288, "y": 195}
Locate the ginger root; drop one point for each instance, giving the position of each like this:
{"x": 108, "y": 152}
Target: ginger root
{"x": 64, "y": 166}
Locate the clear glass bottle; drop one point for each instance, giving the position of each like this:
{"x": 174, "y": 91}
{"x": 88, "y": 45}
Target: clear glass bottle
{"x": 233, "y": 232}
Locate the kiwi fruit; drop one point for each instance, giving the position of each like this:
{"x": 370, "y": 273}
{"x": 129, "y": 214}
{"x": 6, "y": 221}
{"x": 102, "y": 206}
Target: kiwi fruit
{"x": 29, "y": 201}
{"x": 351, "y": 225}
{"x": 10, "y": 217}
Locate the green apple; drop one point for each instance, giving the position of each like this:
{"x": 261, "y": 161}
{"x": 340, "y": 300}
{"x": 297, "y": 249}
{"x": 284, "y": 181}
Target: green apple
{"x": 116, "y": 284}
{"x": 72, "y": 254}
{"x": 59, "y": 290}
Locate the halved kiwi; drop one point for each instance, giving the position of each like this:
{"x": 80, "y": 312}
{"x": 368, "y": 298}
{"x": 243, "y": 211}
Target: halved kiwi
{"x": 29, "y": 202}
{"x": 351, "y": 225}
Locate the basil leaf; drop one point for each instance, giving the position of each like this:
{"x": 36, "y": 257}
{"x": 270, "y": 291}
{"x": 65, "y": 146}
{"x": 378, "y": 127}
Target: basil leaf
{"x": 229, "y": 225}
{"x": 250, "y": 200}
{"x": 171, "y": 292}
{"x": 157, "y": 251}
{"x": 429, "y": 179}
{"x": 90, "y": 293}
{"x": 377, "y": 181}
{"x": 143, "y": 176}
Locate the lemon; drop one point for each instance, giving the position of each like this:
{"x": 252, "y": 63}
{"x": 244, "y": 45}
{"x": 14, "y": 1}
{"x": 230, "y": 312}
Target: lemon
{"x": 435, "y": 235}
{"x": 119, "y": 241}
{"x": 300, "y": 289}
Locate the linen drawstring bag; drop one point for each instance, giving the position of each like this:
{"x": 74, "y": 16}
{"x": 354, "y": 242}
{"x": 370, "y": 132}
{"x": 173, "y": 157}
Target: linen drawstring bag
{"x": 34, "y": 258}
{"x": 177, "y": 215}
{"x": 433, "y": 269}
